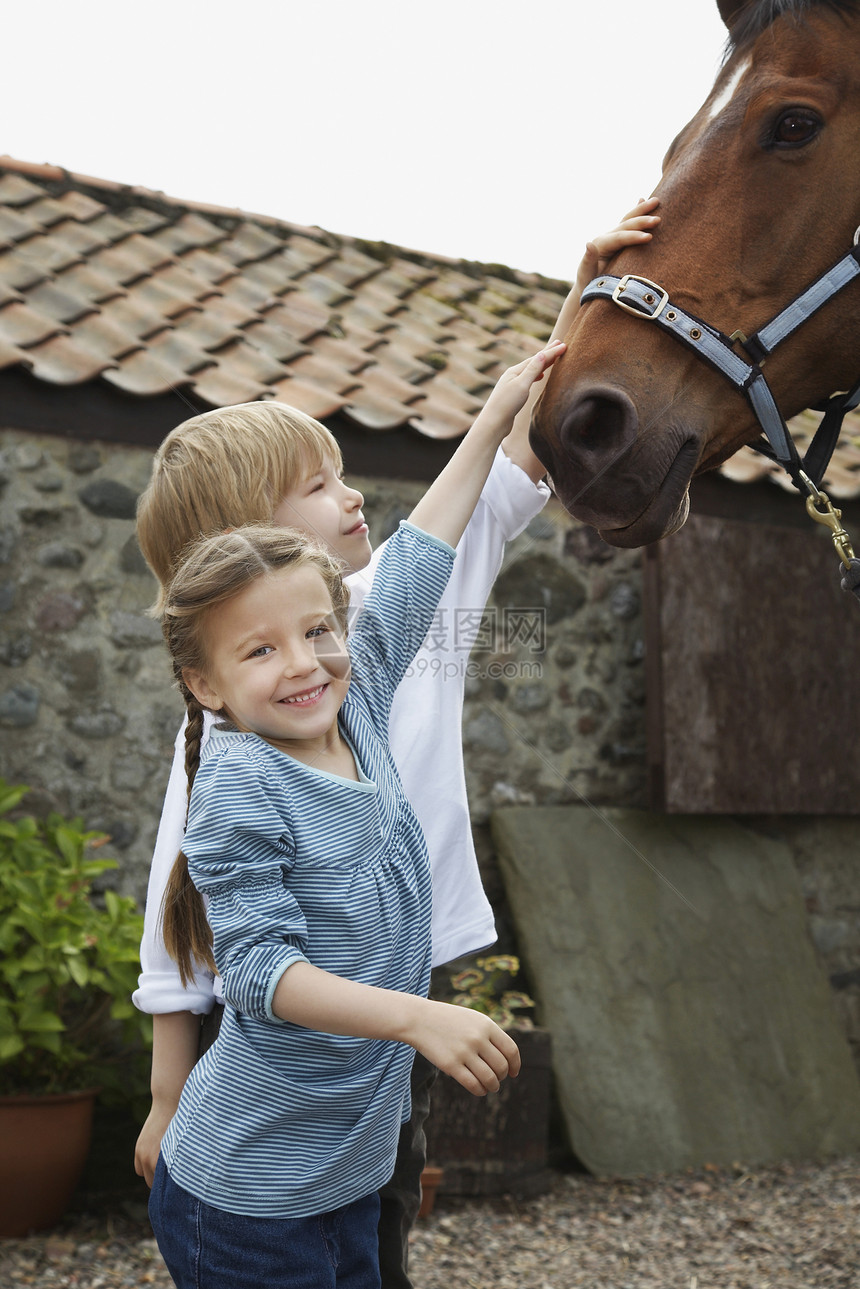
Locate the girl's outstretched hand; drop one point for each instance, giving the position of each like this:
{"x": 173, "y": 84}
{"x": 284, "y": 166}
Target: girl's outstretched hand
{"x": 514, "y": 385}
{"x": 465, "y": 1044}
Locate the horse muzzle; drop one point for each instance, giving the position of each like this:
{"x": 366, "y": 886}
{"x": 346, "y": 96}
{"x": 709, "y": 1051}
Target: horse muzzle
{"x": 606, "y": 474}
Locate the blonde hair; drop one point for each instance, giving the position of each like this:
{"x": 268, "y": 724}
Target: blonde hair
{"x": 214, "y": 570}
{"x": 223, "y": 469}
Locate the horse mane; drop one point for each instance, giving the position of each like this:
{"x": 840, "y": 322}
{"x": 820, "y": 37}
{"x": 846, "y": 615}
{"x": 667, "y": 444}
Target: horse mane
{"x": 759, "y": 14}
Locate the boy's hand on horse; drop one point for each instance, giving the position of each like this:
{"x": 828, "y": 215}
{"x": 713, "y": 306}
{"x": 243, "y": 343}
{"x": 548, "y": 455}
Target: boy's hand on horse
{"x": 633, "y": 229}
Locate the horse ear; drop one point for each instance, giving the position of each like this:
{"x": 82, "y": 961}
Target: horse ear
{"x": 730, "y": 10}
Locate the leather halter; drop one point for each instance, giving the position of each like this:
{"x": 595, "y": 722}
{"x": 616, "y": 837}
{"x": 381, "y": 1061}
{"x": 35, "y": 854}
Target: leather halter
{"x": 646, "y": 300}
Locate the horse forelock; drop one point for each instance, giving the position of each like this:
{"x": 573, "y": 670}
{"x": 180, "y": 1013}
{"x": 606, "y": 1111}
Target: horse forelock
{"x": 760, "y": 14}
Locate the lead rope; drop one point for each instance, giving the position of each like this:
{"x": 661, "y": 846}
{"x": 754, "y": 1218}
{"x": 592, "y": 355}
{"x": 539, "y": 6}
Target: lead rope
{"x": 821, "y": 509}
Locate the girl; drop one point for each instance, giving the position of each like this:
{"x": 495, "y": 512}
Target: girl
{"x": 319, "y": 894}
{"x": 264, "y": 462}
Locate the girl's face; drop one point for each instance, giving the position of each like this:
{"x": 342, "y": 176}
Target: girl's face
{"x": 276, "y": 659}
{"x": 322, "y": 506}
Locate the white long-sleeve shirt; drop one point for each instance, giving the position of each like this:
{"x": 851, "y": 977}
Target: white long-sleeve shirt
{"x": 426, "y": 742}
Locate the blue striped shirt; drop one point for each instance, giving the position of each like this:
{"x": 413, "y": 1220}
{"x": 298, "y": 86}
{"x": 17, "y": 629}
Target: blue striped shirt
{"x": 277, "y": 1120}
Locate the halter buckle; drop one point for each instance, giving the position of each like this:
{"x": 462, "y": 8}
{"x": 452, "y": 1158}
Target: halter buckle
{"x": 647, "y": 299}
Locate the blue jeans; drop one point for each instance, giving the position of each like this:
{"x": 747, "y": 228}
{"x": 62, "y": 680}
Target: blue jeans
{"x": 208, "y": 1248}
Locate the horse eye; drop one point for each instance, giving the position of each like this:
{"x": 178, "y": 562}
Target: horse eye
{"x": 794, "y": 129}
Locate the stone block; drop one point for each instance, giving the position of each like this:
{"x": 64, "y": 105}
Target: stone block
{"x": 691, "y": 1020}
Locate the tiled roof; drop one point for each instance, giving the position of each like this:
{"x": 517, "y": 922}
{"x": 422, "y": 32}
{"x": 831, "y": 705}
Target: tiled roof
{"x": 101, "y": 282}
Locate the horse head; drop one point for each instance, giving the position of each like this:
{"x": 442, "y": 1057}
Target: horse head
{"x": 760, "y": 194}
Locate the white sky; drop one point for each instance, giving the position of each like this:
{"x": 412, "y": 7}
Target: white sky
{"x": 489, "y": 129}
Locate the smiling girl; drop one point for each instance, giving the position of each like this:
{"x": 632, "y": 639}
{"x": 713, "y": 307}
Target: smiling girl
{"x": 319, "y": 892}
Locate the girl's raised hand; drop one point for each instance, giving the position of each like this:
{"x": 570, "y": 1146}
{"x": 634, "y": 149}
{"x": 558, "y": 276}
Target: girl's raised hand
{"x": 514, "y": 385}
{"x": 465, "y": 1044}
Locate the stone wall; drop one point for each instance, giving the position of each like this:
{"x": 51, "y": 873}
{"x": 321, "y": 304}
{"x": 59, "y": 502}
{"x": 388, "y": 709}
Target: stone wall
{"x": 88, "y": 714}
{"x": 555, "y": 700}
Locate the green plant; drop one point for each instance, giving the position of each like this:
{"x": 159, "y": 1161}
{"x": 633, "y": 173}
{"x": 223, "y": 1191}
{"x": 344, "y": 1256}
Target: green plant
{"x": 484, "y": 988}
{"x": 68, "y": 962}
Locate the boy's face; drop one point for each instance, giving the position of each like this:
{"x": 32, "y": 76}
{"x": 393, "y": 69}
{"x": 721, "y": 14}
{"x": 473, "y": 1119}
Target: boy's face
{"x": 322, "y": 506}
{"x": 276, "y": 659}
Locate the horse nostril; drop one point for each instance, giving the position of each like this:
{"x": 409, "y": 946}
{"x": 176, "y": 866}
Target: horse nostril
{"x": 599, "y": 423}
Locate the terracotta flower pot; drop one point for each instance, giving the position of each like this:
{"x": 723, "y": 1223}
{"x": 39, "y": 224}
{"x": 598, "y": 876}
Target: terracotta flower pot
{"x": 43, "y": 1148}
{"x": 430, "y": 1180}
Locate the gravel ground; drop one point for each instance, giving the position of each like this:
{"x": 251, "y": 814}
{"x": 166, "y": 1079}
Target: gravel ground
{"x": 787, "y": 1227}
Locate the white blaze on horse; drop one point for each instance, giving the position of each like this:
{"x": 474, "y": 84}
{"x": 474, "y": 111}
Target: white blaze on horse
{"x": 745, "y": 307}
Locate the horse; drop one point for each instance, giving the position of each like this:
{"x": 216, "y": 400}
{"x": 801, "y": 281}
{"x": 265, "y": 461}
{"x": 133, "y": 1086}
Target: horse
{"x": 759, "y": 197}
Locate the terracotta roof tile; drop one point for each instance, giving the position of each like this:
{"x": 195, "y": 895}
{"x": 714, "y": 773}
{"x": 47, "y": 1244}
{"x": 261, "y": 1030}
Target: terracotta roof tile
{"x": 463, "y": 329}
{"x": 443, "y": 390}
{"x": 352, "y": 268}
{"x": 133, "y": 258}
{"x": 375, "y": 411}
{"x": 441, "y": 422}
{"x": 405, "y": 364}
{"x": 189, "y": 232}
{"x": 12, "y": 356}
{"x": 85, "y": 281}
{"x": 210, "y": 266}
{"x": 250, "y": 242}
{"x": 378, "y": 381}
{"x": 177, "y": 350}
{"x": 79, "y": 239}
{"x": 133, "y": 314}
{"x": 482, "y": 317}
{"x": 254, "y": 296}
{"x": 105, "y": 282}
{"x": 77, "y": 205}
{"x": 179, "y": 279}
{"x": 270, "y": 274}
{"x": 47, "y": 212}
{"x": 275, "y": 342}
{"x": 15, "y": 190}
{"x": 348, "y": 329}
{"x": 526, "y": 322}
{"x": 464, "y": 375}
{"x": 226, "y": 311}
{"x": 159, "y": 296}
{"x": 221, "y": 386}
{"x": 111, "y": 227}
{"x": 417, "y": 336}
{"x": 21, "y": 271}
{"x": 251, "y": 364}
{"x": 138, "y": 219}
{"x": 32, "y": 261}
{"x": 53, "y": 298}
{"x": 105, "y": 336}
{"x": 15, "y": 226}
{"x": 61, "y": 361}
{"x": 323, "y": 372}
{"x": 143, "y": 373}
{"x": 8, "y": 293}
{"x": 309, "y": 398}
{"x": 351, "y": 357}
{"x": 21, "y": 325}
{"x": 299, "y": 314}
{"x": 402, "y": 278}
{"x": 327, "y": 290}
{"x": 207, "y": 330}
{"x": 302, "y": 254}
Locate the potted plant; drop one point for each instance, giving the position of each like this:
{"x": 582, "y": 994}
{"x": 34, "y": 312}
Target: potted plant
{"x": 498, "y": 1143}
{"x": 68, "y": 966}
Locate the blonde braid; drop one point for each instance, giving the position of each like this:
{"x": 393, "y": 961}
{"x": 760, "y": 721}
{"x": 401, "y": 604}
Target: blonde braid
{"x": 186, "y": 929}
